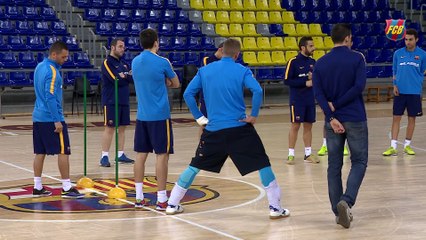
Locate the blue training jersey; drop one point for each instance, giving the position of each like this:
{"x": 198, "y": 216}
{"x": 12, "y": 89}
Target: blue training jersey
{"x": 48, "y": 91}
{"x": 111, "y": 69}
{"x": 408, "y": 69}
{"x": 223, "y": 84}
{"x": 149, "y": 75}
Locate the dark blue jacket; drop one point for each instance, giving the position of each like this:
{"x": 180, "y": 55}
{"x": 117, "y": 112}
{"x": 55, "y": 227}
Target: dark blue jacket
{"x": 111, "y": 68}
{"x": 340, "y": 77}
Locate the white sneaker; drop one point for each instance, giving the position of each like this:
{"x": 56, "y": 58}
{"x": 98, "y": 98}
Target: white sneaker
{"x": 276, "y": 214}
{"x": 172, "y": 210}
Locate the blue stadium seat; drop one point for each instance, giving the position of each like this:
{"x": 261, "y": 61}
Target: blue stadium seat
{"x": 192, "y": 58}
{"x": 71, "y": 76}
{"x": 170, "y": 4}
{"x": 35, "y": 43}
{"x": 355, "y": 5}
{"x": 82, "y": 3}
{"x": 139, "y": 15}
{"x": 48, "y": 13}
{"x": 182, "y": 16}
{"x": 14, "y": 13}
{"x": 376, "y": 29}
{"x": 357, "y": 42}
{"x": 6, "y": 27}
{"x": 181, "y": 29}
{"x": 129, "y": 4}
{"x": 361, "y": 17}
{"x": 373, "y": 16}
{"x": 49, "y": 40}
{"x": 9, "y": 60}
{"x": 152, "y": 26}
{"x": 94, "y": 77}
{"x": 195, "y": 29}
{"x": 373, "y": 55}
{"x": 132, "y": 43}
{"x": 146, "y": 4}
{"x": 71, "y": 42}
{"x": 179, "y": 43}
{"x": 177, "y": 59}
{"x": 19, "y": 79}
{"x": 387, "y": 55}
{"x": 279, "y": 73}
{"x": 16, "y": 43}
{"x": 166, "y": 29}
{"x": 41, "y": 56}
{"x": 385, "y": 71}
{"x": 128, "y": 56}
{"x": 104, "y": 28}
{"x": 113, "y": 4}
{"x": 4, "y": 79}
{"x": 264, "y": 74}
{"x": 371, "y": 72}
{"x": 336, "y": 17}
{"x": 306, "y": 5}
{"x": 302, "y": 16}
{"x": 345, "y": 5}
{"x": 120, "y": 28}
{"x": 382, "y": 4}
{"x": 42, "y": 27}
{"x": 153, "y": 15}
{"x": 59, "y": 28}
{"x": 92, "y": 14}
{"x": 157, "y": 4}
{"x": 135, "y": 28}
{"x": 98, "y": 3}
{"x": 81, "y": 60}
{"x": 398, "y": 15}
{"x": 369, "y": 5}
{"x": 3, "y": 44}
{"x": 291, "y": 5}
{"x": 369, "y": 41}
{"x": 195, "y": 43}
{"x": 208, "y": 43}
{"x": 276, "y": 29}
{"x": 69, "y": 63}
{"x": 27, "y": 60}
{"x": 108, "y": 15}
{"x": 31, "y": 13}
{"x": 123, "y": 15}
{"x": 165, "y": 43}
{"x": 387, "y": 43}
{"x": 25, "y": 27}
{"x": 169, "y": 15}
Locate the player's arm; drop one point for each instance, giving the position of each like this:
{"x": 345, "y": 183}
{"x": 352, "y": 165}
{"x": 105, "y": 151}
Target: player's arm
{"x": 253, "y": 85}
{"x": 172, "y": 80}
{"x": 112, "y": 73}
{"x": 320, "y": 95}
{"x": 51, "y": 88}
{"x": 290, "y": 77}
{"x": 190, "y": 93}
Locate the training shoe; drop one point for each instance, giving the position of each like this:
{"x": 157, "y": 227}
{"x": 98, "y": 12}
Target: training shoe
{"x": 172, "y": 209}
{"x": 311, "y": 159}
{"x": 72, "y": 193}
{"x": 322, "y": 151}
{"x": 139, "y": 204}
{"x": 344, "y": 217}
{"x": 41, "y": 193}
{"x": 290, "y": 160}
{"x": 161, "y": 206}
{"x": 105, "y": 162}
{"x": 345, "y": 151}
{"x": 125, "y": 159}
{"x": 390, "y": 152}
{"x": 275, "y": 213}
{"x": 408, "y": 150}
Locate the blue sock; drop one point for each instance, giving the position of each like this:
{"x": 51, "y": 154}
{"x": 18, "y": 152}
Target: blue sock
{"x": 266, "y": 176}
{"x": 187, "y": 177}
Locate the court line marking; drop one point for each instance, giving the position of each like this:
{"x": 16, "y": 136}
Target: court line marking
{"x": 260, "y": 196}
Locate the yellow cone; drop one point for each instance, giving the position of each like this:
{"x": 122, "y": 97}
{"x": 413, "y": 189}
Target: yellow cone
{"x": 116, "y": 193}
{"x": 85, "y": 182}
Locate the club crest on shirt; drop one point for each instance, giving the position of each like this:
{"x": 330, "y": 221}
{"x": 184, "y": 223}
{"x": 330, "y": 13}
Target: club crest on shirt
{"x": 417, "y": 57}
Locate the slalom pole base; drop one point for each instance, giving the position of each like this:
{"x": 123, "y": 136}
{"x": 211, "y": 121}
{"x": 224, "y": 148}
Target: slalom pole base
{"x": 85, "y": 182}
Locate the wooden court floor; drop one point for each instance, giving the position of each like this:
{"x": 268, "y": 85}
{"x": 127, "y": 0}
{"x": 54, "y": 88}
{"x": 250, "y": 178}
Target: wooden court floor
{"x": 390, "y": 204}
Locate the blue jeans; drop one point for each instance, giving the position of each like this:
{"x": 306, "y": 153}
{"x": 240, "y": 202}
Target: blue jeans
{"x": 357, "y": 135}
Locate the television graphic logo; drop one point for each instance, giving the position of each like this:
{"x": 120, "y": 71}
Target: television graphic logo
{"x": 395, "y": 29}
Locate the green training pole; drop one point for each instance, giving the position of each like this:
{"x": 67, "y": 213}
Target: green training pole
{"x": 85, "y": 121}
{"x": 116, "y": 131}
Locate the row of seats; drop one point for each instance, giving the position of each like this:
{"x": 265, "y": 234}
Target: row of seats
{"x": 379, "y": 42}
{"x": 347, "y": 16}
{"x": 174, "y": 43}
{"x": 126, "y": 29}
{"x": 29, "y": 60}
{"x": 248, "y": 17}
{"x": 127, "y": 4}
{"x": 36, "y": 42}
{"x": 135, "y": 15}
{"x": 23, "y": 79}
{"x": 177, "y": 58}
{"x": 335, "y": 5}
{"x": 249, "y": 5}
{"x": 279, "y": 43}
{"x": 33, "y": 27}
{"x": 273, "y": 58}
{"x": 27, "y": 12}
{"x": 39, "y": 3}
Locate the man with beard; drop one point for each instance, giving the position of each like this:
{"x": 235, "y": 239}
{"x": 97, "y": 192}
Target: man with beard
{"x": 298, "y": 76}
{"x": 115, "y": 69}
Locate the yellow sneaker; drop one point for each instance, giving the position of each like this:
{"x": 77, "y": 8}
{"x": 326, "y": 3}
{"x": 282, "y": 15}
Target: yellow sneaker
{"x": 290, "y": 160}
{"x": 408, "y": 150}
{"x": 322, "y": 151}
{"x": 345, "y": 151}
{"x": 390, "y": 152}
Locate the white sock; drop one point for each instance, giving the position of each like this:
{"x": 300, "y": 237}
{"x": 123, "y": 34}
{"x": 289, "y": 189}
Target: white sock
{"x": 120, "y": 153}
{"x": 407, "y": 143}
{"x": 139, "y": 190}
{"x": 37, "y": 183}
{"x": 394, "y": 143}
{"x": 176, "y": 195}
{"x": 308, "y": 151}
{"x": 162, "y": 196}
{"x": 291, "y": 151}
{"x": 273, "y": 192}
{"x": 104, "y": 154}
{"x": 324, "y": 142}
{"x": 66, "y": 184}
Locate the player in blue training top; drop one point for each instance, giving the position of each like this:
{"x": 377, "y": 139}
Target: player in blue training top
{"x": 229, "y": 132}
{"x": 115, "y": 68}
{"x": 298, "y": 76}
{"x": 152, "y": 75}
{"x": 50, "y": 132}
{"x": 409, "y": 65}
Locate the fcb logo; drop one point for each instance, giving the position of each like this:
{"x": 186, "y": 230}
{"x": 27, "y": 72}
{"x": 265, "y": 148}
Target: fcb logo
{"x": 395, "y": 29}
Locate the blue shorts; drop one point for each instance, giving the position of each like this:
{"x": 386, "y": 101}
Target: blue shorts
{"x": 46, "y": 141}
{"x": 302, "y": 113}
{"x": 154, "y": 136}
{"x": 123, "y": 115}
{"x": 411, "y": 102}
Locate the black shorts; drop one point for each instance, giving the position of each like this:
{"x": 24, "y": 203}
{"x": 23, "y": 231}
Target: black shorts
{"x": 241, "y": 144}
{"x": 411, "y": 102}
{"x": 47, "y": 141}
{"x": 123, "y": 115}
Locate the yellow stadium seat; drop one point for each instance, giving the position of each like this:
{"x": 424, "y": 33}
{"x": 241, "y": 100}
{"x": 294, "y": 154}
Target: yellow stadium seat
{"x": 249, "y": 17}
{"x": 318, "y": 54}
{"x": 250, "y": 30}
{"x": 275, "y": 17}
{"x": 290, "y": 54}
{"x": 302, "y": 29}
{"x": 288, "y": 17}
{"x": 210, "y": 5}
{"x": 236, "y": 17}
{"x": 264, "y": 58}
{"x": 249, "y": 43}
{"x": 250, "y": 58}
{"x": 236, "y": 29}
{"x": 262, "y": 17}
{"x": 315, "y": 30}
{"x": 239, "y": 40}
{"x": 328, "y": 43}
{"x": 197, "y": 4}
{"x": 237, "y": 5}
{"x": 263, "y": 43}
{"x": 278, "y": 58}
{"x": 222, "y": 17}
{"x": 249, "y": 5}
{"x": 262, "y": 5}
{"x": 275, "y": 5}
{"x": 277, "y": 43}
{"x": 222, "y": 29}
{"x": 223, "y": 4}
{"x": 289, "y": 29}
{"x": 209, "y": 16}
{"x": 290, "y": 43}
{"x": 318, "y": 42}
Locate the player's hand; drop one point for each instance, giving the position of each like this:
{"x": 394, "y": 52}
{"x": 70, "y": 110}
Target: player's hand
{"x": 122, "y": 75}
{"x": 309, "y": 83}
{"x": 309, "y": 75}
{"x": 395, "y": 91}
{"x": 168, "y": 82}
{"x": 202, "y": 121}
{"x": 330, "y": 104}
{"x": 130, "y": 73}
{"x": 58, "y": 127}
{"x": 249, "y": 119}
{"x": 337, "y": 126}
